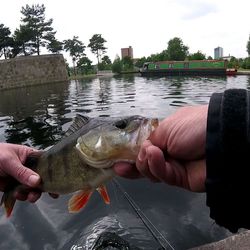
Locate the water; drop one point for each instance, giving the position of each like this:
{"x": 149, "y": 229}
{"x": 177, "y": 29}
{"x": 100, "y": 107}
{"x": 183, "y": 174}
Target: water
{"x": 39, "y": 116}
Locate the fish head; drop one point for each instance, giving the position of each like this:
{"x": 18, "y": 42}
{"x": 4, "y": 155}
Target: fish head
{"x": 118, "y": 139}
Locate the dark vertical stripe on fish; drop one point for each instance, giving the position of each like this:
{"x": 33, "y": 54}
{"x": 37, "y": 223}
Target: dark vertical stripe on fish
{"x": 65, "y": 162}
{"x": 50, "y": 171}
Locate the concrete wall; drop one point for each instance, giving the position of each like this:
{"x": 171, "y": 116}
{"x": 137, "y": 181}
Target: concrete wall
{"x": 32, "y": 70}
{"x": 240, "y": 241}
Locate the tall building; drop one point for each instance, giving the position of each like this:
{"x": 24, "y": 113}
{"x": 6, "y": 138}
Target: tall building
{"x": 127, "y": 52}
{"x": 218, "y": 53}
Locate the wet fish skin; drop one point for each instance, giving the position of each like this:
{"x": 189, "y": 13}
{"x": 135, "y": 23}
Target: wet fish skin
{"x": 83, "y": 159}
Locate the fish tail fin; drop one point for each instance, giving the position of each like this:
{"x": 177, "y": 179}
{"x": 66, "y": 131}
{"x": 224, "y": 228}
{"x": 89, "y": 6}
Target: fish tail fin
{"x": 102, "y": 190}
{"x": 78, "y": 201}
{"x": 8, "y": 201}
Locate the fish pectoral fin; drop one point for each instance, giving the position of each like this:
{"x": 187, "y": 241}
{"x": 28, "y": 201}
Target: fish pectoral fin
{"x": 102, "y": 190}
{"x": 79, "y": 201}
{"x": 8, "y": 200}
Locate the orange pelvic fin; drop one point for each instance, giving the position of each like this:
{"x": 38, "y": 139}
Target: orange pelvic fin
{"x": 104, "y": 194}
{"x": 8, "y": 201}
{"x": 78, "y": 201}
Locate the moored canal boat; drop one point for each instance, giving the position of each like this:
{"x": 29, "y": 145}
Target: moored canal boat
{"x": 185, "y": 68}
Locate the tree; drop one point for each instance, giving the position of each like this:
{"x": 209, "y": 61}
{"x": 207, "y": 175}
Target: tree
{"x": 96, "y": 44}
{"x": 106, "y": 60}
{"x": 197, "y": 56}
{"x": 209, "y": 58}
{"x": 176, "y": 50}
{"x": 85, "y": 65}
{"x": 5, "y": 41}
{"x": 139, "y": 63}
{"x": 76, "y": 49}
{"x": 34, "y": 20}
{"x": 248, "y": 46}
{"x": 105, "y": 64}
{"x": 127, "y": 63}
{"x": 23, "y": 41}
{"x": 117, "y": 65}
{"x": 54, "y": 45}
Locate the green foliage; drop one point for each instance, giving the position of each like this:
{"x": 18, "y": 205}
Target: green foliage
{"x": 163, "y": 56}
{"x": 96, "y": 44}
{"x": 233, "y": 63}
{"x": 247, "y": 60}
{"x": 84, "y": 65}
{"x": 54, "y": 45}
{"x": 239, "y": 63}
{"x": 23, "y": 43}
{"x": 106, "y": 60}
{"x": 75, "y": 48}
{"x": 248, "y": 46}
{"x": 105, "y": 64}
{"x": 176, "y": 50}
{"x": 5, "y": 41}
{"x": 246, "y": 63}
{"x": 117, "y": 65}
{"x": 40, "y": 31}
{"x": 127, "y": 63}
{"x": 139, "y": 63}
{"x": 209, "y": 58}
{"x": 197, "y": 56}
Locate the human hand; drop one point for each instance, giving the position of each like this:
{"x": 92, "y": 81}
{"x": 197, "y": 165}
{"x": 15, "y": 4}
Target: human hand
{"x": 175, "y": 151}
{"x": 12, "y": 158}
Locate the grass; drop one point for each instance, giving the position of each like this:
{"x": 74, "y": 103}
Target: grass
{"x": 77, "y": 77}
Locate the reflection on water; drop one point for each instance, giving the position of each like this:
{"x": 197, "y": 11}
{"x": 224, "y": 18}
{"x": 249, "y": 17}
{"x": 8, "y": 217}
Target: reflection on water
{"x": 39, "y": 116}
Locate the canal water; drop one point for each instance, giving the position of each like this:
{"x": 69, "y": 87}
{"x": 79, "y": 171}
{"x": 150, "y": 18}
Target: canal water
{"x": 39, "y": 116}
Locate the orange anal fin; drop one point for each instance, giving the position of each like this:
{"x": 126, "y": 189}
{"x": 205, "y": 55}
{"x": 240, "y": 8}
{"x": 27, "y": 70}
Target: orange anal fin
{"x": 79, "y": 201}
{"x": 104, "y": 194}
{"x": 8, "y": 200}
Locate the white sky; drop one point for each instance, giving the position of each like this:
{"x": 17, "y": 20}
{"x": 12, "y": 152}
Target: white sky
{"x": 146, "y": 25}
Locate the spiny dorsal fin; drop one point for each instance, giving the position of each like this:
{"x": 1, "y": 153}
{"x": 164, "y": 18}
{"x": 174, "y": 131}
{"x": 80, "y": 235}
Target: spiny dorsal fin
{"x": 79, "y": 122}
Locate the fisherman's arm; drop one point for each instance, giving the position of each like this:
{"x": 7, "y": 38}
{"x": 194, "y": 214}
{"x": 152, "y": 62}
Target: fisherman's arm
{"x": 227, "y": 156}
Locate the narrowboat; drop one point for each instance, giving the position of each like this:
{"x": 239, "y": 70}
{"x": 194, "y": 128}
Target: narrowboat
{"x": 185, "y": 68}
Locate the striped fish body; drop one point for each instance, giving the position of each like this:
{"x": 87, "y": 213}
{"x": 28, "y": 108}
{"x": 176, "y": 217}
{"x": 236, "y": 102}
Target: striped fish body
{"x": 65, "y": 171}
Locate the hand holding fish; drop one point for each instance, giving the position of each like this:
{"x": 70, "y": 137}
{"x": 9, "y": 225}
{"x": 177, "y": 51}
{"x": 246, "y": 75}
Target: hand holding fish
{"x": 175, "y": 151}
{"x": 12, "y": 158}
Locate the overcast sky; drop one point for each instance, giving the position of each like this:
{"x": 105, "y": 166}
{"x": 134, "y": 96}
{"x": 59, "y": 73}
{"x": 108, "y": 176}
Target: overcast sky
{"x": 146, "y": 25}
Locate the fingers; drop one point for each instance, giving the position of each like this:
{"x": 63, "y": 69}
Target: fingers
{"x": 32, "y": 196}
{"x": 143, "y": 158}
{"x": 151, "y": 163}
{"x": 24, "y": 175}
{"x": 24, "y": 194}
{"x": 126, "y": 170}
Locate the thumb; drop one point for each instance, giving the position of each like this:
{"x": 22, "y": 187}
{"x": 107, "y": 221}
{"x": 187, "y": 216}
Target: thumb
{"x": 24, "y": 175}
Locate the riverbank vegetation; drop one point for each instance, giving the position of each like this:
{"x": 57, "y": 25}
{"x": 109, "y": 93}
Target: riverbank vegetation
{"x": 36, "y": 35}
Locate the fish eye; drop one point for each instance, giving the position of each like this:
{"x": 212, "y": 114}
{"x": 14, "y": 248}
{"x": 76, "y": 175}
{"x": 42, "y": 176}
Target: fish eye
{"x": 121, "y": 124}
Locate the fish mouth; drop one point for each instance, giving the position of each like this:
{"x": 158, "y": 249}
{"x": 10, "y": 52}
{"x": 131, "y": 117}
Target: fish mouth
{"x": 128, "y": 155}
